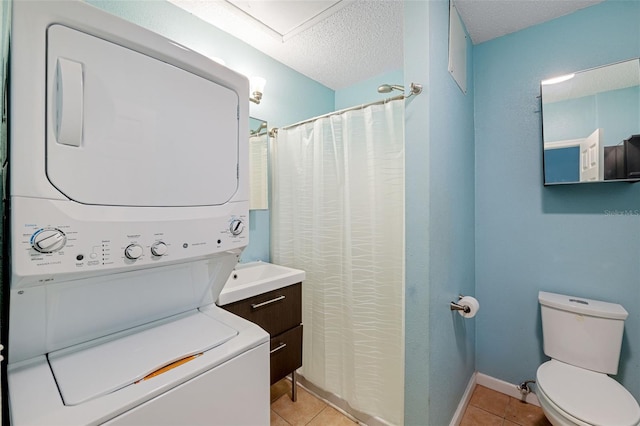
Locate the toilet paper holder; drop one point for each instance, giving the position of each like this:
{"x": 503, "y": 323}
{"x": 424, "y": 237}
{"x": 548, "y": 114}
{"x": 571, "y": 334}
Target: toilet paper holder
{"x": 455, "y": 307}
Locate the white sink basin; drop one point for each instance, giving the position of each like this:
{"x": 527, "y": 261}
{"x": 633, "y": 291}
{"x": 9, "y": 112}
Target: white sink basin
{"x": 251, "y": 279}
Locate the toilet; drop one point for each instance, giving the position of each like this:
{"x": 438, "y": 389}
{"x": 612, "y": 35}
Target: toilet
{"x": 583, "y": 338}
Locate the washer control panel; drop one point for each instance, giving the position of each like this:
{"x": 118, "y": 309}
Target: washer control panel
{"x": 59, "y": 245}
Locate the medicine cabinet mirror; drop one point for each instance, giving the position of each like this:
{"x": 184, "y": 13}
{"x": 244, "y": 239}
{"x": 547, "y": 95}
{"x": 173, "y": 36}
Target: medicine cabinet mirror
{"x": 591, "y": 125}
{"x": 258, "y": 164}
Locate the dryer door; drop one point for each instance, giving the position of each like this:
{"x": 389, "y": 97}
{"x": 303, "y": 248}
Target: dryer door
{"x": 126, "y": 129}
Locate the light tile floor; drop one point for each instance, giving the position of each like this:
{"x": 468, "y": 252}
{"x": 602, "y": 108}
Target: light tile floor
{"x": 307, "y": 410}
{"x": 486, "y": 408}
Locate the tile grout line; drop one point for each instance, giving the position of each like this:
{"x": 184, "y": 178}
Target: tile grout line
{"x": 286, "y": 394}
{"x": 487, "y": 411}
{"x": 283, "y": 419}
{"x": 323, "y": 408}
{"x": 503, "y": 417}
{"x": 326, "y": 403}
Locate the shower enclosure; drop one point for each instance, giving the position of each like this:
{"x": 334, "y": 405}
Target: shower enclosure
{"x": 338, "y": 214}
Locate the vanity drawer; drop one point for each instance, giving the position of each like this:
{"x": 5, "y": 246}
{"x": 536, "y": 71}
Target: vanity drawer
{"x": 275, "y": 311}
{"x": 286, "y": 353}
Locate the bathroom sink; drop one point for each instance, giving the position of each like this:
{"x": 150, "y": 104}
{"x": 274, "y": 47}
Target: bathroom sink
{"x": 251, "y": 279}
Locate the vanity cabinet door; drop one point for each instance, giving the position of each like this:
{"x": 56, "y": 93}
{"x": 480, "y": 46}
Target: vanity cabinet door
{"x": 276, "y": 311}
{"x": 286, "y": 353}
{"x": 279, "y": 312}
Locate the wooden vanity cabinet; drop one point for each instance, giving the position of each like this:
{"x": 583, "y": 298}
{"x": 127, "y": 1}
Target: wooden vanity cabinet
{"x": 278, "y": 312}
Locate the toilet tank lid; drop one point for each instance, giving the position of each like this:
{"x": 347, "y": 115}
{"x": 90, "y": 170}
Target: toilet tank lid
{"x": 583, "y": 306}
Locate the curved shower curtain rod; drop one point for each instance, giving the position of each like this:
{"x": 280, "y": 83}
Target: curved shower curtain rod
{"x": 414, "y": 89}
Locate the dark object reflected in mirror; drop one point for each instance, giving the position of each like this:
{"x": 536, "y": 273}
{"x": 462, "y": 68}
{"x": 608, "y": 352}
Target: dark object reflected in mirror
{"x": 591, "y": 125}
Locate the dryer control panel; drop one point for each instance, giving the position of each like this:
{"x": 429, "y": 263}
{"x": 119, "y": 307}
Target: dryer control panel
{"x": 48, "y": 248}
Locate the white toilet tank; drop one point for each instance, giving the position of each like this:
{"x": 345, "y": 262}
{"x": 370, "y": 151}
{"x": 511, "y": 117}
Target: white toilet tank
{"x": 582, "y": 332}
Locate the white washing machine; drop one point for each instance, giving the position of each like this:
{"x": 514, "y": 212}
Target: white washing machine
{"x": 128, "y": 208}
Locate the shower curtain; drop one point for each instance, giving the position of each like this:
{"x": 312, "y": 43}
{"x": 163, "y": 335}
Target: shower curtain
{"x": 338, "y": 214}
{"x": 258, "y": 161}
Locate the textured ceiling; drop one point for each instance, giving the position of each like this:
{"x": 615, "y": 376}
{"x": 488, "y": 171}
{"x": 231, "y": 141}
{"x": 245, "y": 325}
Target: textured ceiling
{"x": 362, "y": 39}
{"x": 488, "y": 19}
{"x": 293, "y": 18}
{"x": 342, "y": 42}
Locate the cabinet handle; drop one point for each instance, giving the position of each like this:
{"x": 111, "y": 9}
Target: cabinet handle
{"x": 268, "y": 302}
{"x": 281, "y": 346}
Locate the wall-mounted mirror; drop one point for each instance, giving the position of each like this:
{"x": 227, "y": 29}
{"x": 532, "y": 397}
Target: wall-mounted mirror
{"x": 591, "y": 125}
{"x": 258, "y": 164}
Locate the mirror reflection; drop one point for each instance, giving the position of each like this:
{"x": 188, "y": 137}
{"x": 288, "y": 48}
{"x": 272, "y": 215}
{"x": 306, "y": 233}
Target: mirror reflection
{"x": 591, "y": 125}
{"x": 258, "y": 164}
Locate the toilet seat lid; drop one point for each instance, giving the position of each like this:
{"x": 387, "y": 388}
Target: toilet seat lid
{"x": 592, "y": 397}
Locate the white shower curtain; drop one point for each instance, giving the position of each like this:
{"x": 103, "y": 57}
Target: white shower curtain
{"x": 258, "y": 175}
{"x": 338, "y": 214}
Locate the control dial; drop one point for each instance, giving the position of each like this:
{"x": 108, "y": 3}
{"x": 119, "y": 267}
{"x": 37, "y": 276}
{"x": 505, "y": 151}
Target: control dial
{"x": 133, "y": 251}
{"x": 48, "y": 240}
{"x": 236, "y": 227}
{"x": 159, "y": 248}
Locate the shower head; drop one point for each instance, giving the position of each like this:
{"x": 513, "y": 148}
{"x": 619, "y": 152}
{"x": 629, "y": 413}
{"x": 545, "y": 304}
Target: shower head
{"x": 263, "y": 125}
{"x": 386, "y": 88}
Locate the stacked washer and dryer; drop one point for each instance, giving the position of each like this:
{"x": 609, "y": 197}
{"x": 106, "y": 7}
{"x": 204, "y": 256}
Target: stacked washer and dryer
{"x": 128, "y": 204}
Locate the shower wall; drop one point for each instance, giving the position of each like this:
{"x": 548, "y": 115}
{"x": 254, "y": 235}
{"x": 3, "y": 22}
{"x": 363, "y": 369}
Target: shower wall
{"x": 440, "y": 254}
{"x": 365, "y": 91}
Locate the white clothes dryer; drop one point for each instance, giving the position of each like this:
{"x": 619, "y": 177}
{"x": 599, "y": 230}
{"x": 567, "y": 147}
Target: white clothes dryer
{"x": 128, "y": 203}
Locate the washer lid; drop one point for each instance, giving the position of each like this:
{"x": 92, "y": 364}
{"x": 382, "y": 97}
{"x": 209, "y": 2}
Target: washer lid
{"x": 84, "y": 374}
{"x": 594, "y": 398}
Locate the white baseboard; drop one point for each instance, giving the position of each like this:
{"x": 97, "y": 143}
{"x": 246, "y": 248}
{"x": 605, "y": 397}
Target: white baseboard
{"x": 505, "y": 387}
{"x": 464, "y": 402}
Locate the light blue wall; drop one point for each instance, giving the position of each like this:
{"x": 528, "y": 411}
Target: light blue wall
{"x": 581, "y": 240}
{"x": 439, "y": 221}
{"x": 281, "y": 103}
{"x": 417, "y": 167}
{"x": 366, "y": 91}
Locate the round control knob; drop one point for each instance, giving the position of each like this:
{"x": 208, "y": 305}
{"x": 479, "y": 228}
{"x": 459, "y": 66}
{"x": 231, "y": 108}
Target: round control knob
{"x": 159, "y": 248}
{"x": 133, "y": 251}
{"x": 48, "y": 240}
{"x": 236, "y": 227}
